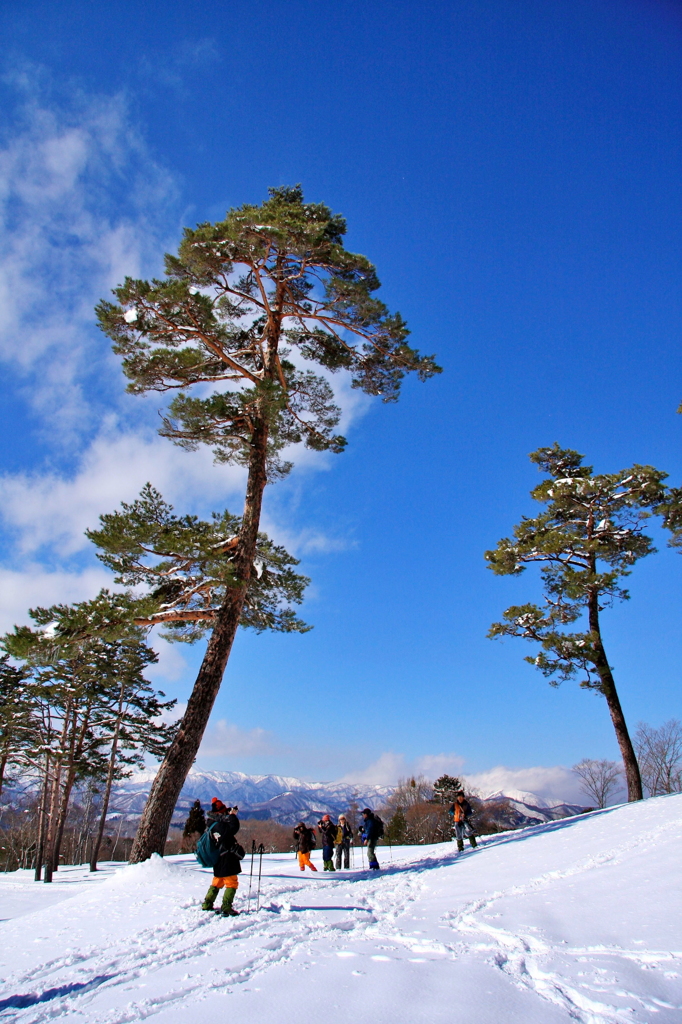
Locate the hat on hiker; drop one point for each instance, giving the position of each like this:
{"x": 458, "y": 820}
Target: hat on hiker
{"x": 325, "y": 817}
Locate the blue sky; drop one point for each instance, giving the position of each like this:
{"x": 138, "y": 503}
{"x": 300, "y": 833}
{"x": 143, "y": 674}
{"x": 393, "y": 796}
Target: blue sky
{"x": 513, "y": 171}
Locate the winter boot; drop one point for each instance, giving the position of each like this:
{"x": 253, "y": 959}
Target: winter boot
{"x": 226, "y": 909}
{"x": 374, "y": 865}
{"x": 209, "y": 899}
{"x": 472, "y": 840}
{"x": 460, "y": 845}
{"x": 326, "y": 865}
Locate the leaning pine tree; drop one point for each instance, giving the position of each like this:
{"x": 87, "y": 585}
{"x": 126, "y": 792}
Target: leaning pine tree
{"x": 245, "y": 304}
{"x": 587, "y": 540}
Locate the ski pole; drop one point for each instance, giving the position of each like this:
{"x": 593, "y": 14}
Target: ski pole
{"x": 260, "y": 866}
{"x": 253, "y": 850}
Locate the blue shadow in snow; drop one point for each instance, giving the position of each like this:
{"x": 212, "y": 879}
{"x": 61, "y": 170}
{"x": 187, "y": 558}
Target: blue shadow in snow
{"x": 20, "y": 1002}
{"x": 299, "y": 909}
{"x": 520, "y": 835}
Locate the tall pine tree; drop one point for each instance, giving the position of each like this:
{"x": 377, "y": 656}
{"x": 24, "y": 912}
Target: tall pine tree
{"x": 587, "y": 539}
{"x": 247, "y": 304}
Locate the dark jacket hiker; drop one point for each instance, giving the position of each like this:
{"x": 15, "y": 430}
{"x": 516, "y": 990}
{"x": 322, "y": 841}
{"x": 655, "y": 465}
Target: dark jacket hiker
{"x": 327, "y": 830}
{"x": 304, "y": 840}
{"x": 462, "y": 813}
{"x": 372, "y": 830}
{"x": 223, "y": 830}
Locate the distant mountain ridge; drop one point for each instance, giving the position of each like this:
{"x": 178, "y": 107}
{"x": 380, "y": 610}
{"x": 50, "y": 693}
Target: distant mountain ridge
{"x": 280, "y": 797}
{"x": 287, "y": 800}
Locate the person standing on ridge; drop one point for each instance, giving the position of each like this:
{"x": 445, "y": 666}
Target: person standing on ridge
{"x": 371, "y": 830}
{"x": 224, "y": 828}
{"x": 344, "y": 837}
{"x": 327, "y": 830}
{"x": 304, "y": 838}
{"x": 462, "y": 813}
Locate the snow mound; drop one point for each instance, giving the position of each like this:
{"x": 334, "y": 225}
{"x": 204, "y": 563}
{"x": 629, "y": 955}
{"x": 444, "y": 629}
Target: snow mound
{"x": 155, "y": 871}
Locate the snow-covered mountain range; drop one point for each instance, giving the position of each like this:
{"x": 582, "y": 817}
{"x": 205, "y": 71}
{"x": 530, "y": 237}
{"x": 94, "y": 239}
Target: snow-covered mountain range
{"x": 288, "y": 800}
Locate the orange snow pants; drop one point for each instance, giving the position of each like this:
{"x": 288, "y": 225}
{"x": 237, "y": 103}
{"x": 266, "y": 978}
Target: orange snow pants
{"x": 228, "y": 882}
{"x": 304, "y": 860}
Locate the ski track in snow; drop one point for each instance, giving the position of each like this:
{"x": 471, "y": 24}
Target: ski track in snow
{"x": 204, "y": 955}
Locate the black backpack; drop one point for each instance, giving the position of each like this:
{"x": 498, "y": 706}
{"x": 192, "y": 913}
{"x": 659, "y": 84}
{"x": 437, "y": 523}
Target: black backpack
{"x": 380, "y": 826}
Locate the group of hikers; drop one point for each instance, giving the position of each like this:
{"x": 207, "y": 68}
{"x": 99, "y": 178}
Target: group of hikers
{"x": 339, "y": 837}
{"x": 337, "y": 840}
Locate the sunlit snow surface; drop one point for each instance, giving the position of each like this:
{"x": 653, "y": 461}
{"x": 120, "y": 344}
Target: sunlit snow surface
{"x": 577, "y": 920}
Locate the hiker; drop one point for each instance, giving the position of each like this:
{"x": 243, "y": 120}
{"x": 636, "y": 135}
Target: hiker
{"x": 196, "y": 822}
{"x": 371, "y": 830}
{"x": 224, "y": 826}
{"x": 462, "y": 813}
{"x": 344, "y": 837}
{"x": 327, "y": 830}
{"x": 304, "y": 838}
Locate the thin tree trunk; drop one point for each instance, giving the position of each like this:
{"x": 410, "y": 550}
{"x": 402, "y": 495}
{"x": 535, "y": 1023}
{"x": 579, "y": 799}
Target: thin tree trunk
{"x": 633, "y": 778}
{"x": 42, "y": 820}
{"x": 107, "y": 793}
{"x": 52, "y": 821}
{"x": 158, "y": 812}
{"x": 75, "y": 754}
{"x": 54, "y": 798}
{"x": 3, "y": 764}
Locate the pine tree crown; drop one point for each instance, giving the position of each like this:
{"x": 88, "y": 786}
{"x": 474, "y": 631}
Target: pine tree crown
{"x": 239, "y": 299}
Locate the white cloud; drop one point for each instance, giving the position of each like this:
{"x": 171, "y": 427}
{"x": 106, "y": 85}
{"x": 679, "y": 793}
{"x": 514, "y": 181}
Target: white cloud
{"x": 81, "y": 202}
{"x": 171, "y": 666}
{"x": 52, "y": 509}
{"x": 224, "y": 739}
{"x": 390, "y": 767}
{"x": 554, "y": 783}
{"x": 36, "y": 586}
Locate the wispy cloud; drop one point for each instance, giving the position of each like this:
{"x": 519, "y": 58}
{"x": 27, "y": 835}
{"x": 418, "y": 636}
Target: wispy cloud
{"x": 553, "y": 783}
{"x": 82, "y": 203}
{"x": 35, "y": 585}
{"x": 390, "y": 767}
{"x": 51, "y": 509}
{"x": 225, "y": 740}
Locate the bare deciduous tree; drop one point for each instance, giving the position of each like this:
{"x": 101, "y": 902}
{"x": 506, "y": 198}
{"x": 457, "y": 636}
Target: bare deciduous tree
{"x": 599, "y": 779}
{"x": 659, "y": 752}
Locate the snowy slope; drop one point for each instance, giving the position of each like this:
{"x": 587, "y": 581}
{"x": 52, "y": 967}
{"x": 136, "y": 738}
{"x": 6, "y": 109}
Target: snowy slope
{"x": 577, "y": 920}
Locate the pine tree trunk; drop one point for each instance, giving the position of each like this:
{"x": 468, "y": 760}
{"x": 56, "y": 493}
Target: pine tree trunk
{"x": 42, "y": 821}
{"x": 52, "y": 822}
{"x": 158, "y": 812}
{"x": 107, "y": 794}
{"x": 3, "y": 765}
{"x": 75, "y": 753}
{"x": 633, "y": 778}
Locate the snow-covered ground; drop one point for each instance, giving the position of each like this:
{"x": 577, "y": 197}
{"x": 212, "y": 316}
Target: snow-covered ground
{"x": 576, "y": 920}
